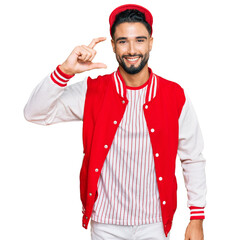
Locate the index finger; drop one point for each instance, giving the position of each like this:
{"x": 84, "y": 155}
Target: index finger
{"x": 95, "y": 41}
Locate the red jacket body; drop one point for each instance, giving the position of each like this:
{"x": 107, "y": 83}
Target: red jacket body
{"x": 104, "y": 106}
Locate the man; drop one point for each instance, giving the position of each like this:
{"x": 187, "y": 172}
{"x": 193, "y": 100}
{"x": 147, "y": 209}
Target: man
{"x": 134, "y": 124}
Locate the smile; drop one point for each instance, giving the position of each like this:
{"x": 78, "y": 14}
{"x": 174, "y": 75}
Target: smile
{"x": 132, "y": 59}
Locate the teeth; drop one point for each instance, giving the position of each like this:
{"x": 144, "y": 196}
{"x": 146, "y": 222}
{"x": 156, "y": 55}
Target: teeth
{"x": 132, "y": 59}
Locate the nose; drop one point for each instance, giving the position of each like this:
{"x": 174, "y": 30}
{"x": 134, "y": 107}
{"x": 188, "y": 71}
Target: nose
{"x": 131, "y": 48}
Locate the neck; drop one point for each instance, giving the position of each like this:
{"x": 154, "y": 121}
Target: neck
{"x": 135, "y": 80}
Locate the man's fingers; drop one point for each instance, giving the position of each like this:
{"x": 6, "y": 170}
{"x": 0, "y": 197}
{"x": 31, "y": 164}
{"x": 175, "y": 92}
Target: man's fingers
{"x": 95, "y": 41}
{"x": 97, "y": 65}
{"x": 84, "y": 53}
{"x": 92, "y": 53}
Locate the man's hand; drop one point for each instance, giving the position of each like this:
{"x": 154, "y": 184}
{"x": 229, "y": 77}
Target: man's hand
{"x": 80, "y": 59}
{"x": 194, "y": 230}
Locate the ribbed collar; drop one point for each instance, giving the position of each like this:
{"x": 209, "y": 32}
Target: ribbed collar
{"x": 122, "y": 88}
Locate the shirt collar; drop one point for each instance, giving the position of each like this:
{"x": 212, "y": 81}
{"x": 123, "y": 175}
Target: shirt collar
{"x": 122, "y": 88}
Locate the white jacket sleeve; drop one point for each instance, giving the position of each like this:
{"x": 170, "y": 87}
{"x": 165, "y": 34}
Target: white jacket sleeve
{"x": 51, "y": 102}
{"x": 190, "y": 149}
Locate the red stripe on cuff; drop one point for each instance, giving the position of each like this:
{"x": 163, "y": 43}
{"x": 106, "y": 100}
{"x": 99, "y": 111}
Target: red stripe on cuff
{"x": 60, "y": 79}
{"x": 193, "y": 207}
{"x": 197, "y": 217}
{"x": 198, "y": 211}
{"x": 60, "y": 84}
{"x": 64, "y": 74}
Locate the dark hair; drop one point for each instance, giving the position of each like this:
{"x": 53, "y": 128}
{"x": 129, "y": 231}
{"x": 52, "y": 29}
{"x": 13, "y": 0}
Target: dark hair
{"x": 130, "y": 15}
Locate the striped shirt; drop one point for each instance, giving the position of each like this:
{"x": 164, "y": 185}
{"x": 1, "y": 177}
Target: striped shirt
{"x": 127, "y": 188}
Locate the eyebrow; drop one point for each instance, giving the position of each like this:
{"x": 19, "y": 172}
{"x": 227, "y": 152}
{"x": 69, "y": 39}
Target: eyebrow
{"x": 124, "y": 38}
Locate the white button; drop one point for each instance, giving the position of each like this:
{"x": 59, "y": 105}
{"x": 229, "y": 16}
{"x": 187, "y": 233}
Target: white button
{"x": 164, "y": 202}
{"x": 157, "y": 154}
{"x": 123, "y": 101}
{"x": 86, "y": 217}
{"x": 84, "y": 225}
{"x": 146, "y": 106}
{"x": 90, "y": 194}
{"x": 115, "y": 122}
{"x": 105, "y": 146}
{"x": 152, "y": 130}
{"x": 160, "y": 178}
{"x": 96, "y": 170}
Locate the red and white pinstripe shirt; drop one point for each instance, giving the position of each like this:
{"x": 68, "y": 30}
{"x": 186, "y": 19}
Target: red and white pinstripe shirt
{"x": 127, "y": 188}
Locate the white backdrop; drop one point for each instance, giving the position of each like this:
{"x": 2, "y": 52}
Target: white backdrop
{"x": 39, "y": 166}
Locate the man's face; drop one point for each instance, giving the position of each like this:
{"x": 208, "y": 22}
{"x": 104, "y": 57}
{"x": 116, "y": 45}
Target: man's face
{"x": 132, "y": 45}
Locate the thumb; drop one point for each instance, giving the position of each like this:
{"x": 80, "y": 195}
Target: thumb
{"x": 97, "y": 65}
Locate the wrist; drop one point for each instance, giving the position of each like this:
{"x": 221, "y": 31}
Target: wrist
{"x": 66, "y": 70}
{"x": 197, "y": 221}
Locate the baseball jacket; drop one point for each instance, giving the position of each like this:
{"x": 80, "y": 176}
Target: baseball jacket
{"x": 171, "y": 121}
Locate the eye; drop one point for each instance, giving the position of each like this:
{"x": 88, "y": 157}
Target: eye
{"x": 140, "y": 40}
{"x": 122, "y": 41}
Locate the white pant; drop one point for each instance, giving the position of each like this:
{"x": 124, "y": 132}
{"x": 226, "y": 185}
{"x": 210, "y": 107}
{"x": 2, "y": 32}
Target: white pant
{"x": 102, "y": 231}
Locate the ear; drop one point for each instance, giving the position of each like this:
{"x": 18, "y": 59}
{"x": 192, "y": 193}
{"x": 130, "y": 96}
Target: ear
{"x": 150, "y": 43}
{"x": 113, "y": 45}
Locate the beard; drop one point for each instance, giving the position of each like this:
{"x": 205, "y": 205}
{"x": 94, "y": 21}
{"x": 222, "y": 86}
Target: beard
{"x": 132, "y": 69}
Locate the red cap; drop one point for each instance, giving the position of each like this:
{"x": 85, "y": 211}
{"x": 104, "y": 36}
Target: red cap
{"x": 148, "y": 15}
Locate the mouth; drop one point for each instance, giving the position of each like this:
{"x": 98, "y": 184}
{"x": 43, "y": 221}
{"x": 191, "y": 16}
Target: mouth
{"x": 132, "y": 60}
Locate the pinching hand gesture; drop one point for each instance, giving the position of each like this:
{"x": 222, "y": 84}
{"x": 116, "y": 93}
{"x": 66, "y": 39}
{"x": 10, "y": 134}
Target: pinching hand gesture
{"x": 80, "y": 59}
